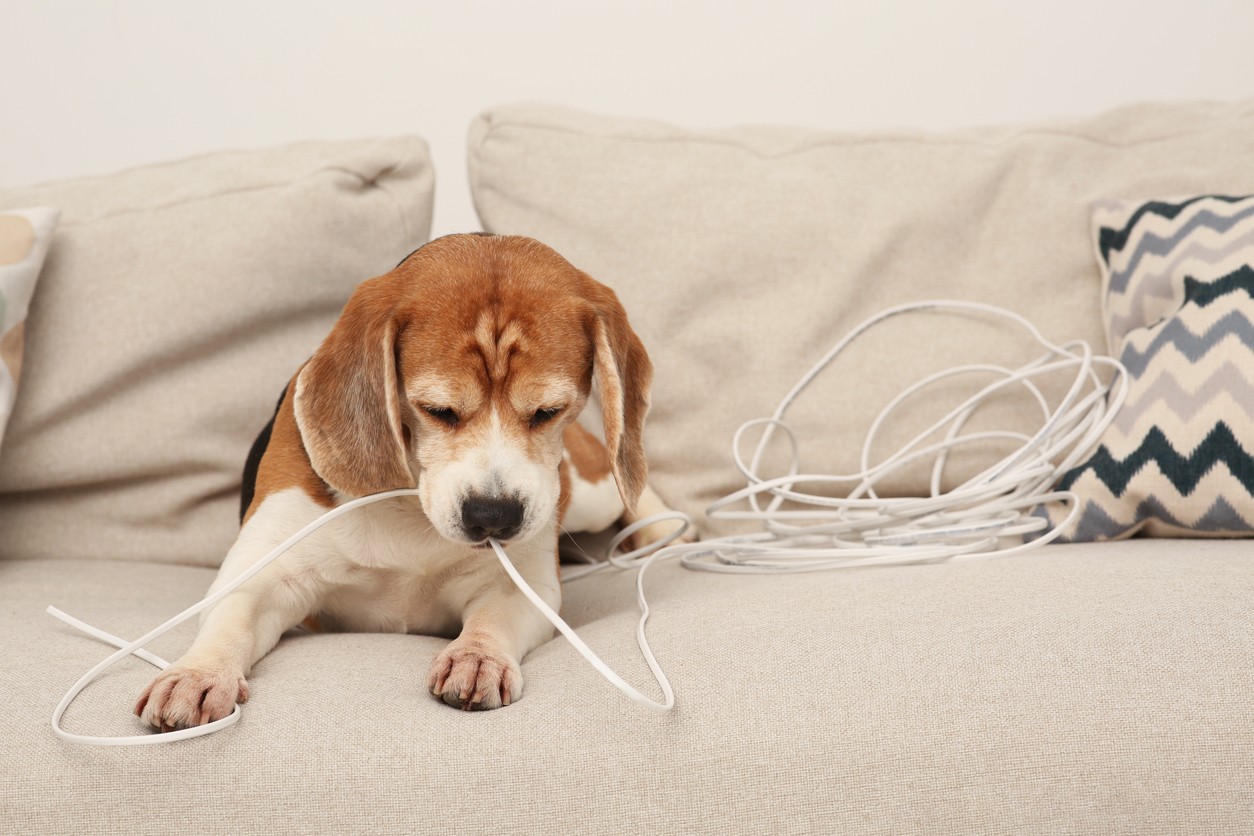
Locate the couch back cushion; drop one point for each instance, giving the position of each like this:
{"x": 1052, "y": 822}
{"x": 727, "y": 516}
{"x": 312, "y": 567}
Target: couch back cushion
{"x": 742, "y": 255}
{"x": 176, "y": 302}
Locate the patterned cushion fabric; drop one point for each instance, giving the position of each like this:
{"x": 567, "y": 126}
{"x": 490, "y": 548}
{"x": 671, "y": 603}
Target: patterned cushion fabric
{"x": 24, "y": 238}
{"x": 1178, "y": 302}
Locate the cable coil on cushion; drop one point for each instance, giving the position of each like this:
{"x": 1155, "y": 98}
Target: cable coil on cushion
{"x": 963, "y": 523}
{"x": 863, "y": 529}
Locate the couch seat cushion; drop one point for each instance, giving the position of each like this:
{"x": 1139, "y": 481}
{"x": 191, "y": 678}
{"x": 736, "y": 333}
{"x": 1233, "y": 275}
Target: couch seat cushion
{"x": 1083, "y": 688}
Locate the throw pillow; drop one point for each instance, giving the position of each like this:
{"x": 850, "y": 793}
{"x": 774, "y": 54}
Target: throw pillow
{"x": 24, "y": 238}
{"x": 1178, "y": 302}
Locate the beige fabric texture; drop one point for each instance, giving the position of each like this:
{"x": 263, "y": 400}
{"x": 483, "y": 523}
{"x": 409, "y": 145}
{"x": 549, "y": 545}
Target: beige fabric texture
{"x": 1084, "y": 689}
{"x": 175, "y": 305}
{"x": 743, "y": 255}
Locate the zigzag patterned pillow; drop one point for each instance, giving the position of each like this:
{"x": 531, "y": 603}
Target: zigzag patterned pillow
{"x": 1178, "y": 301}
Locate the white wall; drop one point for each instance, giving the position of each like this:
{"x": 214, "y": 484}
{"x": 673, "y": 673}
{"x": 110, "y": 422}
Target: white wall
{"x": 89, "y": 86}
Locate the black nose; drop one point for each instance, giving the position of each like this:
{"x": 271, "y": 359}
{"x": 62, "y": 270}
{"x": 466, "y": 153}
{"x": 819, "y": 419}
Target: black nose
{"x": 491, "y": 517}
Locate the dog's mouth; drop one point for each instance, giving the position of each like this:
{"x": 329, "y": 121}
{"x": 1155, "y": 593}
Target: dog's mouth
{"x": 486, "y": 543}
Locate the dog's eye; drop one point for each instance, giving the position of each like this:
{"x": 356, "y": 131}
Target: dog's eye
{"x": 442, "y": 414}
{"x": 544, "y": 416}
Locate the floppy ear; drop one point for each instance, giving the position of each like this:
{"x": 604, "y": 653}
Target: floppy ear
{"x": 624, "y": 374}
{"x": 347, "y": 403}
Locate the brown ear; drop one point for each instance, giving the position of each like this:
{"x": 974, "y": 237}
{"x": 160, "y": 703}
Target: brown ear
{"x": 624, "y": 374}
{"x": 347, "y": 403}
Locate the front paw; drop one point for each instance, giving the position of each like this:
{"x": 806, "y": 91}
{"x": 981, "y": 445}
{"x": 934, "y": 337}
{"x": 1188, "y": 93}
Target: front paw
{"x": 182, "y": 697}
{"x": 471, "y": 674}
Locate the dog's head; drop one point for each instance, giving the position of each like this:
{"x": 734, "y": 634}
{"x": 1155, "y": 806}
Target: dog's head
{"x": 458, "y": 371}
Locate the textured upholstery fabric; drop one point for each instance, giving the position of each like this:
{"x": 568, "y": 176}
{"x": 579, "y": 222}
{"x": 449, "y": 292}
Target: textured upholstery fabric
{"x": 743, "y": 255}
{"x": 1093, "y": 688}
{"x": 176, "y": 303}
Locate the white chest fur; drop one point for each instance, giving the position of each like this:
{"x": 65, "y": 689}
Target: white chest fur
{"x": 594, "y": 506}
{"x": 380, "y": 568}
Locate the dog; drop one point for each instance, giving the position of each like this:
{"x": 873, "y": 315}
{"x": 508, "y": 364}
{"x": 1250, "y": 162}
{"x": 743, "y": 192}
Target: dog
{"x": 460, "y": 373}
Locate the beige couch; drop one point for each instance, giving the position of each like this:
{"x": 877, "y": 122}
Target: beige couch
{"x": 1088, "y": 688}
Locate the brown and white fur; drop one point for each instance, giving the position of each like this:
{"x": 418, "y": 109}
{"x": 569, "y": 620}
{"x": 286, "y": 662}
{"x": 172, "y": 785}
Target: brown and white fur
{"x": 460, "y": 373}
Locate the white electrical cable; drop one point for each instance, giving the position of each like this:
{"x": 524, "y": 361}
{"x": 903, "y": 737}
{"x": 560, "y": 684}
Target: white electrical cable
{"x": 968, "y": 522}
{"x": 135, "y": 646}
{"x": 964, "y": 523}
{"x": 861, "y": 528}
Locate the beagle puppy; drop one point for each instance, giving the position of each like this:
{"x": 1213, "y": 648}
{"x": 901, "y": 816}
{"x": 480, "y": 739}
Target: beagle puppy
{"x": 460, "y": 373}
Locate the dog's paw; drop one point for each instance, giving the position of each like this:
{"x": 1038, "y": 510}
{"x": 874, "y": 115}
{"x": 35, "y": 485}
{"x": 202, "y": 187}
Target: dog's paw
{"x": 471, "y": 674}
{"x": 182, "y": 697}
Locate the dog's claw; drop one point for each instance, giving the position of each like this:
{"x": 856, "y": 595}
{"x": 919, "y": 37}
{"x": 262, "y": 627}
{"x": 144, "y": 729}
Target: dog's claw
{"x": 184, "y": 696}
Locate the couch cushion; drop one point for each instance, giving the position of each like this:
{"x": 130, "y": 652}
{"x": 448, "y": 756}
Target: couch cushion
{"x": 1091, "y": 688}
{"x": 177, "y": 301}
{"x": 25, "y": 235}
{"x": 743, "y": 255}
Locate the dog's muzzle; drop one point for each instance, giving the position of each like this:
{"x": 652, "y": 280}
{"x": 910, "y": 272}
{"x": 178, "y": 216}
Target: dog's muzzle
{"x": 499, "y": 517}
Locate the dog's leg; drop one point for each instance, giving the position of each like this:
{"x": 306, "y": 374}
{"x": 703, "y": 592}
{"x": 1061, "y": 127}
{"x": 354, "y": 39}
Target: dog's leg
{"x": 206, "y": 682}
{"x": 480, "y": 668}
{"x": 648, "y": 505}
{"x": 594, "y": 503}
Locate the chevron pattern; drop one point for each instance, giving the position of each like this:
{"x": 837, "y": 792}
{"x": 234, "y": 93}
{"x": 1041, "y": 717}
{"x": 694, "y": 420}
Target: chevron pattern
{"x": 1176, "y": 334}
{"x": 1167, "y": 393}
{"x": 1095, "y": 524}
{"x": 1150, "y": 245}
{"x": 1116, "y": 239}
{"x": 1183, "y": 471}
{"x": 1146, "y": 252}
{"x": 1178, "y": 300}
{"x": 1202, "y": 294}
{"x": 1152, "y": 297}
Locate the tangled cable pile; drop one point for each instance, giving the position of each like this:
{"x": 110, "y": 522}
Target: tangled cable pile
{"x": 972, "y": 520}
{"x": 986, "y": 516}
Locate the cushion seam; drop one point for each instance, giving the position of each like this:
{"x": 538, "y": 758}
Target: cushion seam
{"x": 198, "y": 198}
{"x": 937, "y": 139}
